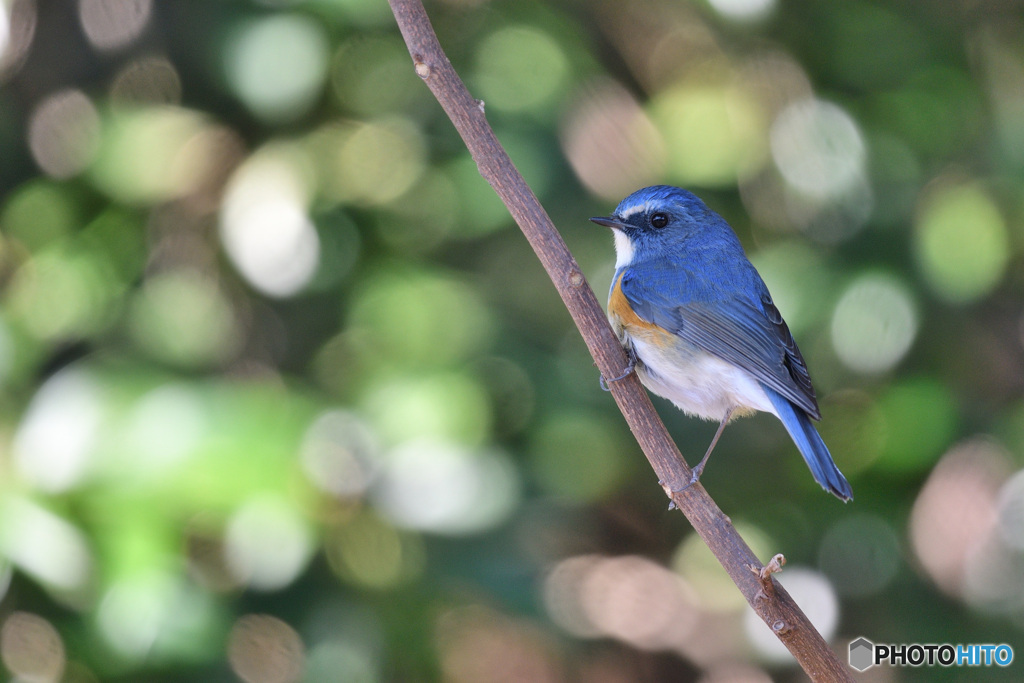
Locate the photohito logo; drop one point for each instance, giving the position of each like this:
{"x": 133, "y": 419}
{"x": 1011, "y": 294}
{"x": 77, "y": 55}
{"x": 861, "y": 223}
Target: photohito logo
{"x": 864, "y": 654}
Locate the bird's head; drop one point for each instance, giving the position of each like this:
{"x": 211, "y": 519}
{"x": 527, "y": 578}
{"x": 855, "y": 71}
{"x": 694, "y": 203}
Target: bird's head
{"x": 657, "y": 220}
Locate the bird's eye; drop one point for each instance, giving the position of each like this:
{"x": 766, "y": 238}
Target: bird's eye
{"x": 659, "y": 220}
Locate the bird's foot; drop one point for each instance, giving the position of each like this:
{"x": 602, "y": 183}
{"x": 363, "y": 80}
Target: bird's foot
{"x": 694, "y": 478}
{"x": 630, "y": 367}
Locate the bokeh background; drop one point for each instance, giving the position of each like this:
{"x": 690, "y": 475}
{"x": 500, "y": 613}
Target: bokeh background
{"x": 285, "y": 396}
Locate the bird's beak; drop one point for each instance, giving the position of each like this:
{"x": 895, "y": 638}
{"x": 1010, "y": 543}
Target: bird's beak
{"x": 610, "y": 223}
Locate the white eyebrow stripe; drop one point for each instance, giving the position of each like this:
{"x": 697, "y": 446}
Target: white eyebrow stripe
{"x": 635, "y": 209}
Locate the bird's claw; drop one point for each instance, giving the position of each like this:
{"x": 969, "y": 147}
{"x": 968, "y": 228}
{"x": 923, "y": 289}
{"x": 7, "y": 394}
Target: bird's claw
{"x": 630, "y": 367}
{"x": 694, "y": 478}
{"x": 669, "y": 491}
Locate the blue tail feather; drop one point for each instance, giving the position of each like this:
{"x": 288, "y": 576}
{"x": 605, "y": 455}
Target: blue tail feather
{"x": 810, "y": 445}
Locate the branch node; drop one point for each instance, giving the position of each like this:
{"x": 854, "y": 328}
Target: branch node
{"x": 576, "y": 279}
{"x": 480, "y": 105}
{"x": 764, "y": 575}
{"x": 780, "y": 627}
{"x": 668, "y": 492}
{"x": 423, "y": 69}
{"x": 774, "y": 566}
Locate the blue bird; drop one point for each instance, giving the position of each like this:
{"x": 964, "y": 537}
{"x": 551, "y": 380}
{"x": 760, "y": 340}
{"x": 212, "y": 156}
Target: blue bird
{"x": 700, "y": 327}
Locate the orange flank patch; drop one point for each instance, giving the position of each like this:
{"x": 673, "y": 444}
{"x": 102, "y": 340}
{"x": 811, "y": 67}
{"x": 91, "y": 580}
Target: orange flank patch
{"x": 625, "y": 319}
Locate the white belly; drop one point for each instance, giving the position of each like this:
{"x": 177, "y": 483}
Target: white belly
{"x": 697, "y": 382}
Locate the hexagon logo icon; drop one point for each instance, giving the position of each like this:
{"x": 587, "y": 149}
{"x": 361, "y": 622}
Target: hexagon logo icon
{"x": 862, "y": 654}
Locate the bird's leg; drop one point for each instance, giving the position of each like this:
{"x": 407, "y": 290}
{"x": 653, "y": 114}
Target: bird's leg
{"x": 630, "y": 367}
{"x": 696, "y": 471}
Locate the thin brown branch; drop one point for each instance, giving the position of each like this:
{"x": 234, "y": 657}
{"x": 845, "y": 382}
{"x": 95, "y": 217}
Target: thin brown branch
{"x": 775, "y": 607}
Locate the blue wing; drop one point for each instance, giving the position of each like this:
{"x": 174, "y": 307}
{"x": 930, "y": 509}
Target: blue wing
{"x": 746, "y": 331}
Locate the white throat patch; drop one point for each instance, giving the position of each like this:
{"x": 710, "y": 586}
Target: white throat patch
{"x": 623, "y": 249}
